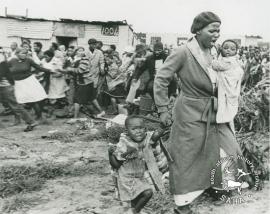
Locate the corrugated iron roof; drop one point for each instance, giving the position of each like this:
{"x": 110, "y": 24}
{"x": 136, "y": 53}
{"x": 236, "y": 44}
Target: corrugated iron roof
{"x": 94, "y": 22}
{"x": 23, "y": 18}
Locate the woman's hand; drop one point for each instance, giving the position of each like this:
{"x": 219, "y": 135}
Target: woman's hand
{"x": 165, "y": 118}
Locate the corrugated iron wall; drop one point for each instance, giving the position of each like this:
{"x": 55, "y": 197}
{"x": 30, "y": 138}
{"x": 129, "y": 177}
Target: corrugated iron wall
{"x": 29, "y": 29}
{"x": 12, "y": 30}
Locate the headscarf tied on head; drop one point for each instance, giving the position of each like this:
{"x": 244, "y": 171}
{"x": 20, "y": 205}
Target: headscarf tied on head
{"x": 202, "y": 20}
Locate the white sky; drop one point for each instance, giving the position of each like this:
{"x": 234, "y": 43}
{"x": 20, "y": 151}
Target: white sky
{"x": 239, "y": 17}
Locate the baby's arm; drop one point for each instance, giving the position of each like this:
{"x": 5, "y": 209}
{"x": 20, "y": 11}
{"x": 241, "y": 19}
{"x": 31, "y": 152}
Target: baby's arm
{"x": 221, "y": 65}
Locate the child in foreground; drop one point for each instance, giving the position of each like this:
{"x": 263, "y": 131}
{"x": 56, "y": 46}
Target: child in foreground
{"x": 229, "y": 78}
{"x": 130, "y": 158}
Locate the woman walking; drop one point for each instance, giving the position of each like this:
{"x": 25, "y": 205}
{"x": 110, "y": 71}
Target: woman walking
{"x": 27, "y": 88}
{"x": 7, "y": 94}
{"x": 197, "y": 141}
{"x": 85, "y": 92}
{"x": 57, "y": 83}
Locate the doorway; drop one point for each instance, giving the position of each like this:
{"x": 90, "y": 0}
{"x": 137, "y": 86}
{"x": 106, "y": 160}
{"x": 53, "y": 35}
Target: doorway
{"x": 67, "y": 41}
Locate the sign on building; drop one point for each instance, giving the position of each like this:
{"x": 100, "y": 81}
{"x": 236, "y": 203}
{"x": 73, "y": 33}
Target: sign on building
{"x": 110, "y": 30}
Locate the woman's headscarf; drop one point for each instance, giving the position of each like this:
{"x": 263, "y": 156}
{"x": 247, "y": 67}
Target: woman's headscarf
{"x": 202, "y": 20}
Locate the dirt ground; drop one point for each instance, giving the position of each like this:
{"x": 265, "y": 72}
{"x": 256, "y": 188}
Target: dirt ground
{"x": 90, "y": 190}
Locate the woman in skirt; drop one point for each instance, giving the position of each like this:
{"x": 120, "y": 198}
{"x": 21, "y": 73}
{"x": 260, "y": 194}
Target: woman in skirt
{"x": 57, "y": 83}
{"x": 27, "y": 87}
{"x": 7, "y": 94}
{"x": 85, "y": 92}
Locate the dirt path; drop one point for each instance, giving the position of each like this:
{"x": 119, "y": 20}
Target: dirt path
{"x": 87, "y": 188}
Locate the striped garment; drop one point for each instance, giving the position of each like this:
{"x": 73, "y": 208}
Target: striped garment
{"x": 83, "y": 77}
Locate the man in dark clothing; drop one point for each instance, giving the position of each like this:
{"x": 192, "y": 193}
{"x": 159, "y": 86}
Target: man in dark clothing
{"x": 160, "y": 56}
{"x": 147, "y": 67}
{"x": 144, "y": 68}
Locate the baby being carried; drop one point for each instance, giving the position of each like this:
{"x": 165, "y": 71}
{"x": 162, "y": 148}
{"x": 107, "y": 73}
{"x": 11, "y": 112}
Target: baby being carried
{"x": 230, "y": 73}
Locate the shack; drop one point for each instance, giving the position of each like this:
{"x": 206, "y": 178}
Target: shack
{"x": 65, "y": 31}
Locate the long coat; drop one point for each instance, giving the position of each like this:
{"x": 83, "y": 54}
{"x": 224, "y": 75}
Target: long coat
{"x": 96, "y": 60}
{"x": 196, "y": 138}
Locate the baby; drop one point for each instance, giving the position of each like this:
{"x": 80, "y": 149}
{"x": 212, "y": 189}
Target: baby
{"x": 229, "y": 76}
{"x": 131, "y": 158}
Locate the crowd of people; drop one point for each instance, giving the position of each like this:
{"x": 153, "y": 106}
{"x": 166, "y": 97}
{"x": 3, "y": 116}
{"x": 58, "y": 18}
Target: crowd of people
{"x": 75, "y": 78}
{"x": 256, "y": 64}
